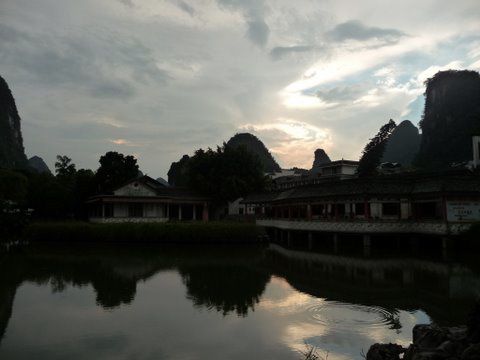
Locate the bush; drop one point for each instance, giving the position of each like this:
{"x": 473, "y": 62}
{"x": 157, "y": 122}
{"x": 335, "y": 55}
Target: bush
{"x": 191, "y": 232}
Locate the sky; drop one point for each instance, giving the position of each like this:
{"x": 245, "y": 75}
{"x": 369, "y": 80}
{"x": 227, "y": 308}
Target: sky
{"x": 161, "y": 78}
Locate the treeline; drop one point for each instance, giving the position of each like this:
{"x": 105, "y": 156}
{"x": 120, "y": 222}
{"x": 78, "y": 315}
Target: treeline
{"x": 63, "y": 195}
{"x": 224, "y": 174}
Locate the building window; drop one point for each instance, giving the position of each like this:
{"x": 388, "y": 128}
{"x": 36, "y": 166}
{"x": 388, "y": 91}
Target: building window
{"x": 240, "y": 211}
{"x": 135, "y": 210}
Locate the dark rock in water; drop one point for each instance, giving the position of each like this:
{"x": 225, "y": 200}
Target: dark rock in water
{"x": 429, "y": 336}
{"x": 473, "y": 325}
{"x": 403, "y": 144}
{"x": 385, "y": 352}
{"x": 431, "y": 342}
{"x": 254, "y": 145}
{"x": 472, "y": 352}
{"x": 12, "y": 153}
{"x": 37, "y": 164}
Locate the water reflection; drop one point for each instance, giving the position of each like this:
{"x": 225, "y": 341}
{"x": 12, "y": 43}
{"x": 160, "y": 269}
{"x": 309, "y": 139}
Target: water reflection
{"x": 224, "y": 287}
{"x": 279, "y": 297}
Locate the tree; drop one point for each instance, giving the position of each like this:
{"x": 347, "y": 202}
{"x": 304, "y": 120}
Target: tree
{"x": 84, "y": 188}
{"x": 176, "y": 173}
{"x": 64, "y": 168}
{"x": 225, "y": 174}
{"x": 115, "y": 169}
{"x": 373, "y": 151}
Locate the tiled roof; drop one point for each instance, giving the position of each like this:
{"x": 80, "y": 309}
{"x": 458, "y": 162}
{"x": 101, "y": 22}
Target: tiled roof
{"x": 396, "y": 185}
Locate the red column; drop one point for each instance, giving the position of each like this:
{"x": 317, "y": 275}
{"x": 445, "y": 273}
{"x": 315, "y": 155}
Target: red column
{"x": 309, "y": 212}
{"x": 205, "y": 212}
{"x": 366, "y": 209}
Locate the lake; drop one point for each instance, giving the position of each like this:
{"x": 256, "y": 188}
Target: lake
{"x": 224, "y": 302}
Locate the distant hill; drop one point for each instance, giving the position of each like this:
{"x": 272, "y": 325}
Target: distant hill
{"x": 320, "y": 159}
{"x": 403, "y": 144}
{"x": 163, "y": 181}
{"x": 254, "y": 145}
{"x": 36, "y": 163}
{"x": 451, "y": 116}
{"x": 12, "y": 153}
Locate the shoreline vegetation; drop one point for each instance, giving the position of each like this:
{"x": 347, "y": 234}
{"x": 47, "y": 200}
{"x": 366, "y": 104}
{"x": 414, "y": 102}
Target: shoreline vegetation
{"x": 172, "y": 232}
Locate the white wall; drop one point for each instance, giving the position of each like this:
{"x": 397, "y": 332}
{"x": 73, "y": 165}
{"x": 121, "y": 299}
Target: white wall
{"x": 134, "y": 189}
{"x": 120, "y": 210}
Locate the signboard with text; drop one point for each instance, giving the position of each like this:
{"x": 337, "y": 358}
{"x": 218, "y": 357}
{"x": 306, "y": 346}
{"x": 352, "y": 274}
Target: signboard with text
{"x": 463, "y": 211}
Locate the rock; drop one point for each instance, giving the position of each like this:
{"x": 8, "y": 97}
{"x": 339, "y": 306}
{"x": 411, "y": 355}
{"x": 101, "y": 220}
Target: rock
{"x": 429, "y": 336}
{"x": 403, "y": 144}
{"x": 385, "y": 352}
{"x": 458, "y": 333}
{"x": 473, "y": 324}
{"x": 37, "y": 164}
{"x": 472, "y": 352}
{"x": 12, "y": 152}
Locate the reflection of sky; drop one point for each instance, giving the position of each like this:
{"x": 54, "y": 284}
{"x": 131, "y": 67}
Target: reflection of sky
{"x": 161, "y": 323}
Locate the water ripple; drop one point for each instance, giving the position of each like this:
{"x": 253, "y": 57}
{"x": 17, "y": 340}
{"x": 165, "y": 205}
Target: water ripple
{"x": 343, "y": 316}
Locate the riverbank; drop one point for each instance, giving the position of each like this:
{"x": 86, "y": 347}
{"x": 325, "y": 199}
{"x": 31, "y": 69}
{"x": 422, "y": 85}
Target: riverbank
{"x": 431, "y": 342}
{"x": 180, "y": 232}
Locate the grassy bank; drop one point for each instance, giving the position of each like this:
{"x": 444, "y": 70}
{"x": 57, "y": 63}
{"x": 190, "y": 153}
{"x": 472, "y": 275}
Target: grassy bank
{"x": 194, "y": 232}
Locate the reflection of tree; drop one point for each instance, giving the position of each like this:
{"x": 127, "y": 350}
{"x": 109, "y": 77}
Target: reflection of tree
{"x": 224, "y": 287}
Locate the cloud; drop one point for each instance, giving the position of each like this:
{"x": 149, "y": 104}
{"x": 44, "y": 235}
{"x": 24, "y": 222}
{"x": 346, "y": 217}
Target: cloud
{"x": 280, "y": 51}
{"x": 292, "y": 141}
{"x": 356, "y": 30}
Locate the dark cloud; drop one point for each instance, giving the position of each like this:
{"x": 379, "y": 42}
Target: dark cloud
{"x": 105, "y": 66}
{"x": 128, "y": 3}
{"x": 280, "y": 51}
{"x": 185, "y": 7}
{"x": 355, "y": 30}
{"x": 118, "y": 89}
{"x": 258, "y": 30}
{"x": 342, "y": 93}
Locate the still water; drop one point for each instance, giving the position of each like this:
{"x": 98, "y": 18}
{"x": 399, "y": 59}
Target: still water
{"x": 147, "y": 302}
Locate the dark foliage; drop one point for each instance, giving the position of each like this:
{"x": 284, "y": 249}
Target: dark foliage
{"x": 451, "y": 116}
{"x": 225, "y": 174}
{"x": 115, "y": 169}
{"x": 13, "y": 212}
{"x": 255, "y": 146}
{"x": 373, "y": 151}
{"x": 12, "y": 153}
{"x": 176, "y": 173}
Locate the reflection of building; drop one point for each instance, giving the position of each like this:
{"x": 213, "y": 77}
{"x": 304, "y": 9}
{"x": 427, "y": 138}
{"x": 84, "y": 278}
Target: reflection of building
{"x": 446, "y": 291}
{"x": 406, "y": 203}
{"x": 147, "y": 200}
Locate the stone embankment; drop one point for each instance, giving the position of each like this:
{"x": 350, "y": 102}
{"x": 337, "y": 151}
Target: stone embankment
{"x": 431, "y": 342}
